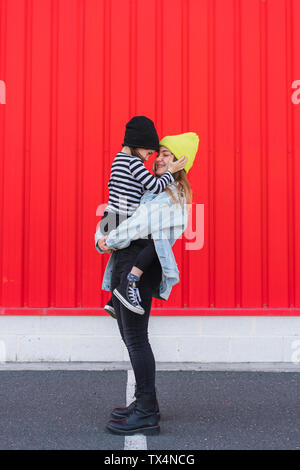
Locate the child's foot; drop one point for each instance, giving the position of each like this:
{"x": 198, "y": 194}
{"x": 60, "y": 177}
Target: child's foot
{"x": 128, "y": 294}
{"x": 110, "y": 308}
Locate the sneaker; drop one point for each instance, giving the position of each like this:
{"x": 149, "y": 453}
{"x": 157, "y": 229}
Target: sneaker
{"x": 128, "y": 294}
{"x": 110, "y": 309}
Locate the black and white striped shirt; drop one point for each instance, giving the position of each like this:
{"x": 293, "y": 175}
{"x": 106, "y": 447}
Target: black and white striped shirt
{"x": 129, "y": 179}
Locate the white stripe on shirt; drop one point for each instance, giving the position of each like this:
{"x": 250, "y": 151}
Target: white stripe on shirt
{"x": 129, "y": 179}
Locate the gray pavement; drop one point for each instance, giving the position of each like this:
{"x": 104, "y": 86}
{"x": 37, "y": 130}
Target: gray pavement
{"x": 200, "y": 409}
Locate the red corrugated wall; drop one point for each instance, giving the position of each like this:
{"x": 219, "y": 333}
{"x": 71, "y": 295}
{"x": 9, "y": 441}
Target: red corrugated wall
{"x": 75, "y": 71}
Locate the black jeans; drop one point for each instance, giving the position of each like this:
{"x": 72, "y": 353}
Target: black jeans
{"x": 134, "y": 327}
{"x": 146, "y": 256}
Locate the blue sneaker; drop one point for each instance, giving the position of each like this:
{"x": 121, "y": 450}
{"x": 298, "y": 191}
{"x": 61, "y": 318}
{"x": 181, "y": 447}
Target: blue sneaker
{"x": 129, "y": 295}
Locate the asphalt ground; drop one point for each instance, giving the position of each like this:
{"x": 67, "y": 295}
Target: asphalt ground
{"x": 200, "y": 409}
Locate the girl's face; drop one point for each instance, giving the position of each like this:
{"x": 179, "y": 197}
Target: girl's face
{"x": 162, "y": 160}
{"x": 145, "y": 153}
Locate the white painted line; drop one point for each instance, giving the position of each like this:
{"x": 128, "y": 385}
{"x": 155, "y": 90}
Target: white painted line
{"x": 138, "y": 441}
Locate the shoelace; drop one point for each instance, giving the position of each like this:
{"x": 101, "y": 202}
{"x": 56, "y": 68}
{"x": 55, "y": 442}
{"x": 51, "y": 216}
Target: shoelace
{"x": 134, "y": 295}
{"x": 138, "y": 294}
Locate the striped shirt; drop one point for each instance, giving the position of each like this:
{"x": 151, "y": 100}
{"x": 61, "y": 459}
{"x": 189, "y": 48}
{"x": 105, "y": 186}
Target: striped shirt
{"x": 129, "y": 179}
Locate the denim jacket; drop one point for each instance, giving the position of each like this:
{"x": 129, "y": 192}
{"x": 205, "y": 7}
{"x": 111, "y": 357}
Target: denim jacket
{"x": 166, "y": 220}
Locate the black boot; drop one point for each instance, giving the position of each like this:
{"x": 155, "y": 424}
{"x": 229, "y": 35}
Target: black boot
{"x": 119, "y": 413}
{"x": 142, "y": 420}
{"x": 109, "y": 308}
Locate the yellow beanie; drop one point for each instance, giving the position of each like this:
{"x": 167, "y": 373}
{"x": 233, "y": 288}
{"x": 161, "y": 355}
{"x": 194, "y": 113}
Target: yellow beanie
{"x": 182, "y": 144}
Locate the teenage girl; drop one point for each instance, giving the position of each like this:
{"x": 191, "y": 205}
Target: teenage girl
{"x": 129, "y": 179}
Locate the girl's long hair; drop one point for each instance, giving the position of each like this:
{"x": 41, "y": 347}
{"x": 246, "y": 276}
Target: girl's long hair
{"x": 135, "y": 153}
{"x": 184, "y": 190}
{"x": 183, "y": 186}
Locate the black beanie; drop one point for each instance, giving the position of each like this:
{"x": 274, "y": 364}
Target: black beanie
{"x": 141, "y": 133}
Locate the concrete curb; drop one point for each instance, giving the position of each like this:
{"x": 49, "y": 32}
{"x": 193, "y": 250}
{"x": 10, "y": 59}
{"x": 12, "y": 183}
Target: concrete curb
{"x": 160, "y": 366}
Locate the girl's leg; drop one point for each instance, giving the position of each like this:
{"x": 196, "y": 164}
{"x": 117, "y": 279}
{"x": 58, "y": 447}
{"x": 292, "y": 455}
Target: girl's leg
{"x": 145, "y": 258}
{"x": 116, "y": 276}
{"x": 144, "y": 415}
{"x": 134, "y": 328}
{"x": 128, "y": 291}
{"x": 123, "y": 263}
{"x": 135, "y": 331}
{"x": 109, "y": 222}
{"x": 137, "y": 341}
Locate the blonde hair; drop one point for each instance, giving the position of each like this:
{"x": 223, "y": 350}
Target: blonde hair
{"x": 184, "y": 190}
{"x": 183, "y": 187}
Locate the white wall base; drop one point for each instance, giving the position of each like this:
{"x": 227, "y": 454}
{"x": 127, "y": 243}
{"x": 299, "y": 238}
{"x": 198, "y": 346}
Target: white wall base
{"x": 173, "y": 339}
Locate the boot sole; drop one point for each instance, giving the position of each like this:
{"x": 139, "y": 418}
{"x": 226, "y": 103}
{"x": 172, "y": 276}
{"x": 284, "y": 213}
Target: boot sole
{"x": 117, "y": 416}
{"x": 127, "y": 304}
{"x": 150, "y": 431}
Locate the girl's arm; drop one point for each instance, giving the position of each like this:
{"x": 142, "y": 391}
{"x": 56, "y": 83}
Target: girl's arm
{"x": 156, "y": 217}
{"x": 151, "y": 183}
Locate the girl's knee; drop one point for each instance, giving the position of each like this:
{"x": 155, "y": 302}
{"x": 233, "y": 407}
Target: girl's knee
{"x": 138, "y": 342}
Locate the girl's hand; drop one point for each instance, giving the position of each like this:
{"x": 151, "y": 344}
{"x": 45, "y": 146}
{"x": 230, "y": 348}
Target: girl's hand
{"x": 177, "y": 165}
{"x": 102, "y": 245}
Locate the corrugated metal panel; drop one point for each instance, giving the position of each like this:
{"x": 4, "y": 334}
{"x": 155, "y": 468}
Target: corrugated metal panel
{"x": 75, "y": 71}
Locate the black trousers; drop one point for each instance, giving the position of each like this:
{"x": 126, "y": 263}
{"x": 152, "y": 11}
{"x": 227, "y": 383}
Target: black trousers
{"x": 134, "y": 327}
{"x": 146, "y": 256}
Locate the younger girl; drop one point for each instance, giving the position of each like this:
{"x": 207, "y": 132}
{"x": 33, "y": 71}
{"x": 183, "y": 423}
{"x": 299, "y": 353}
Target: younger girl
{"x": 129, "y": 179}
